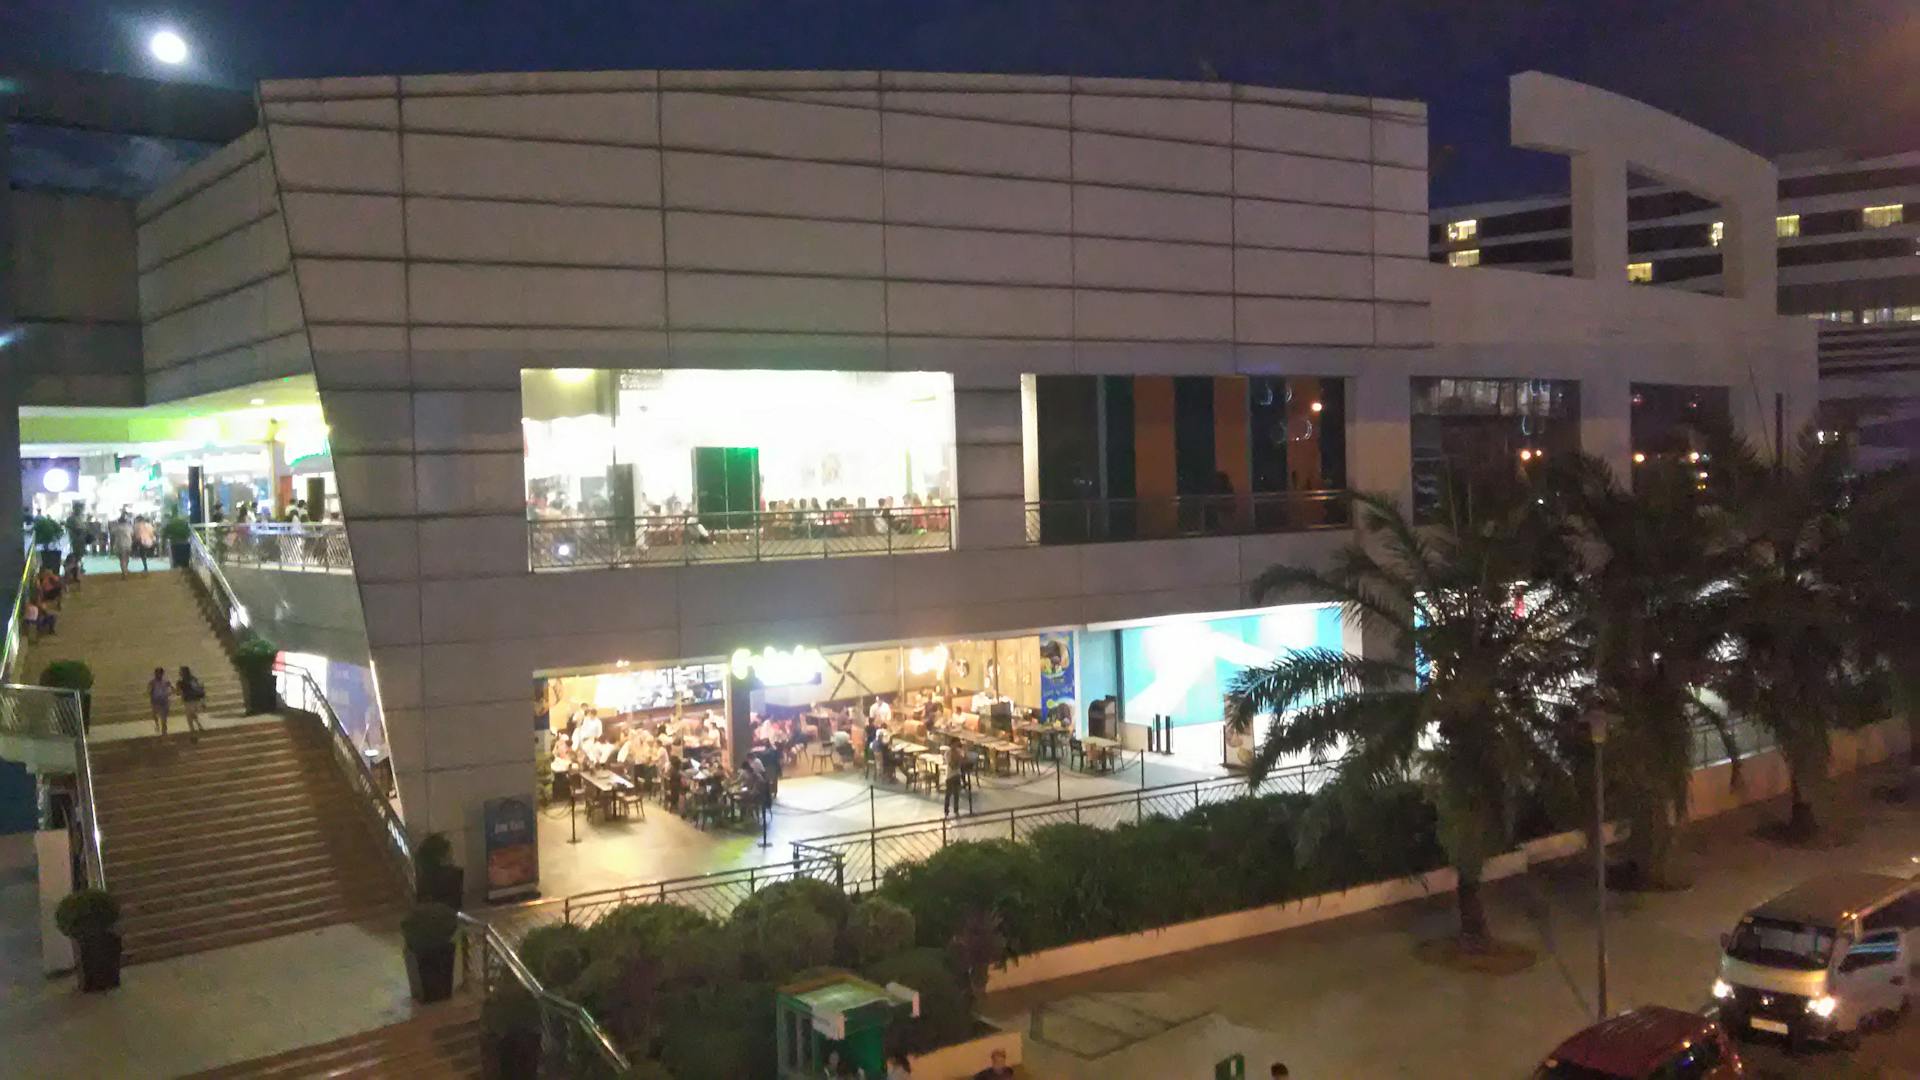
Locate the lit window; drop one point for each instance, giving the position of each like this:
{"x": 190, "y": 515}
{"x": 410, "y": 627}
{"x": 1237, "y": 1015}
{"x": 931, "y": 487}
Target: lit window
{"x": 1458, "y": 231}
{"x": 1908, "y": 313}
{"x": 1469, "y": 257}
{"x": 1717, "y": 233}
{"x": 1641, "y": 272}
{"x": 1876, "y": 315}
{"x": 1879, "y": 217}
{"x": 1786, "y": 225}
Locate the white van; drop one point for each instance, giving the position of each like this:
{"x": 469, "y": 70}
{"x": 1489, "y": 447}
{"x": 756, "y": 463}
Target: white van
{"x": 1822, "y": 959}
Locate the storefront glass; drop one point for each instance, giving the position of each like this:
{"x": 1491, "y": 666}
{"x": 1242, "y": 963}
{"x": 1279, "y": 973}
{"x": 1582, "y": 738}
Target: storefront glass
{"x": 653, "y": 442}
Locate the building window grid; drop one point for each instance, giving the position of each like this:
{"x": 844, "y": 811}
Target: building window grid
{"x": 1786, "y": 226}
{"x": 1468, "y": 257}
{"x": 1462, "y": 231}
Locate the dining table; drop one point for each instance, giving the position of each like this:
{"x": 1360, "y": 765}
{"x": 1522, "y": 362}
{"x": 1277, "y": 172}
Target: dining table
{"x": 605, "y": 789}
{"x": 1102, "y": 750}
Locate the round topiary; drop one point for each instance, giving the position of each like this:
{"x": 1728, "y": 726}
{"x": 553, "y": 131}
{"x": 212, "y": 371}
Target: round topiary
{"x": 876, "y": 929}
{"x": 176, "y": 530}
{"x": 87, "y": 913}
{"x": 429, "y": 926}
{"x": 555, "y": 954}
{"x": 67, "y": 675}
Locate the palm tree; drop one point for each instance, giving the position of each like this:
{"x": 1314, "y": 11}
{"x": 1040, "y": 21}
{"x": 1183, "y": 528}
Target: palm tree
{"x": 1881, "y": 575}
{"x": 1796, "y": 663}
{"x": 1648, "y": 618}
{"x": 1464, "y": 705}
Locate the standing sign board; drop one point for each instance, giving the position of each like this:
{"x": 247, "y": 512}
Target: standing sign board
{"x": 513, "y": 853}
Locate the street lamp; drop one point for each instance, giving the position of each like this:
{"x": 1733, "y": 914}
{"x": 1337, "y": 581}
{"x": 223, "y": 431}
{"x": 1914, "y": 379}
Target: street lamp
{"x": 1597, "y": 727}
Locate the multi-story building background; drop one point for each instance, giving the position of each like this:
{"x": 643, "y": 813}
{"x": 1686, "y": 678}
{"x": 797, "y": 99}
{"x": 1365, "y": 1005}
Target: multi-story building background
{"x": 1848, "y": 227}
{"x": 720, "y": 385}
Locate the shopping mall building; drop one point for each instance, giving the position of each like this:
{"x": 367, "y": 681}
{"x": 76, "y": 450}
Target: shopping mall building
{"x": 734, "y": 390}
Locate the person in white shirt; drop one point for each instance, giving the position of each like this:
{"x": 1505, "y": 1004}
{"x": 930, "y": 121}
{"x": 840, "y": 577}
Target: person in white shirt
{"x": 596, "y": 751}
{"x": 880, "y": 712}
{"x": 588, "y": 727}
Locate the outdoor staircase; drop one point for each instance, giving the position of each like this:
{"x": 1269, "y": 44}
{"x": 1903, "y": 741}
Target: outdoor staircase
{"x": 248, "y": 832}
{"x": 440, "y": 1041}
{"x": 124, "y": 628}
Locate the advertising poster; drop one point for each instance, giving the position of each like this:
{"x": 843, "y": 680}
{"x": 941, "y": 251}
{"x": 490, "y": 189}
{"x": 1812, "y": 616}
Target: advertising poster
{"x": 513, "y": 855}
{"x": 1056, "y": 670}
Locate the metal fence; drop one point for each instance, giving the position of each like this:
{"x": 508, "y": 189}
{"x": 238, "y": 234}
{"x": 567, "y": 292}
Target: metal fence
{"x": 315, "y": 546}
{"x": 1093, "y": 521}
{"x": 736, "y": 536}
{"x": 715, "y": 894}
{"x": 865, "y": 855}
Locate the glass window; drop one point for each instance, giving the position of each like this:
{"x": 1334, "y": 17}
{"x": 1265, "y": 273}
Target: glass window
{"x": 1670, "y": 423}
{"x": 1469, "y": 257}
{"x": 1786, "y": 225}
{"x": 1873, "y": 951}
{"x": 1716, "y": 233}
{"x": 1458, "y": 231}
{"x": 1467, "y": 425}
{"x": 1777, "y": 943}
{"x": 1640, "y": 272}
{"x": 1876, "y": 315}
{"x": 1879, "y": 217}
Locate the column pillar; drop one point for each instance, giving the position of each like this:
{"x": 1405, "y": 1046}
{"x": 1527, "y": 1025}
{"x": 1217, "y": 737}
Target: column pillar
{"x": 1599, "y": 216}
{"x": 989, "y": 463}
{"x": 13, "y": 379}
{"x": 1606, "y": 422}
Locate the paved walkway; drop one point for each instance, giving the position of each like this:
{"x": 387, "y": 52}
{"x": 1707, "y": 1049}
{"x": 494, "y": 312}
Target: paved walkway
{"x": 1348, "y": 998}
{"x": 633, "y": 851}
{"x": 188, "y": 1013}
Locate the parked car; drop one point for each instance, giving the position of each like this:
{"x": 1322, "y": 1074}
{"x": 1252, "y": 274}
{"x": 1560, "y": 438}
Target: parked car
{"x": 1645, "y": 1043}
{"x": 1821, "y": 960}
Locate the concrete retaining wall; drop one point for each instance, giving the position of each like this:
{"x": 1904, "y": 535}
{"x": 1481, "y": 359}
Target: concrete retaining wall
{"x": 963, "y": 1060}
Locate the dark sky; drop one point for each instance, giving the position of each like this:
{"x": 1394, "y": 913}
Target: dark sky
{"x": 1775, "y": 75}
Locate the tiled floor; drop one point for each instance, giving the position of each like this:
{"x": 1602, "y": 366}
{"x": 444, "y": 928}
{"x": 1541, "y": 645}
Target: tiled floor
{"x": 610, "y": 854}
{"x": 191, "y": 1012}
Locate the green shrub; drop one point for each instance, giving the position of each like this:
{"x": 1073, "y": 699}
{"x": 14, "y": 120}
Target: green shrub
{"x": 719, "y": 1031}
{"x": 255, "y": 653}
{"x": 435, "y": 850}
{"x": 1080, "y": 889}
{"x": 86, "y": 913}
{"x": 996, "y": 877}
{"x": 946, "y": 1008}
{"x": 429, "y": 926}
{"x": 555, "y": 954}
{"x": 46, "y": 532}
{"x": 510, "y": 1010}
{"x": 823, "y": 898}
{"x": 876, "y": 929}
{"x": 68, "y": 675}
{"x": 176, "y": 529}
{"x": 783, "y": 938}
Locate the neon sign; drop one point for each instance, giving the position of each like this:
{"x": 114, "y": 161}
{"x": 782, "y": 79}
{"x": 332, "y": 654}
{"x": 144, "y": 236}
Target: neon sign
{"x": 778, "y": 667}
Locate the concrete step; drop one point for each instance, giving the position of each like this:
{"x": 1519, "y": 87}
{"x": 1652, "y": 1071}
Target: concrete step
{"x": 438, "y": 1041}
{"x": 179, "y": 865}
{"x": 235, "y": 907}
{"x": 268, "y": 865}
{"x": 222, "y": 795}
{"x": 295, "y": 812}
{"x": 226, "y": 935}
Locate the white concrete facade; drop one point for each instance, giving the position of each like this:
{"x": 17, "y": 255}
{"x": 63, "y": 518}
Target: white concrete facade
{"x": 446, "y": 232}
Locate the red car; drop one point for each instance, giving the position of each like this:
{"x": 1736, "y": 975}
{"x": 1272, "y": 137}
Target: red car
{"x": 1651, "y": 1041}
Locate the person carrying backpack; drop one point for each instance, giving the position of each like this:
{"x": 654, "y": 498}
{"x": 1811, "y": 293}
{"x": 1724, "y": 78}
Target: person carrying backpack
{"x": 192, "y": 693}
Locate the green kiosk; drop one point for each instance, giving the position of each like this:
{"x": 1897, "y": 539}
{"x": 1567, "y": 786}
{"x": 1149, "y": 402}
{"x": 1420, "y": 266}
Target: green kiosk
{"x": 836, "y": 1014}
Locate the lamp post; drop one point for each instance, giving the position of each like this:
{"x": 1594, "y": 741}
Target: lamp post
{"x": 1597, "y": 726}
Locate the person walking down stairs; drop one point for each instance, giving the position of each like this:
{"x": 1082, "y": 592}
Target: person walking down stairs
{"x": 159, "y": 696}
{"x": 192, "y": 693}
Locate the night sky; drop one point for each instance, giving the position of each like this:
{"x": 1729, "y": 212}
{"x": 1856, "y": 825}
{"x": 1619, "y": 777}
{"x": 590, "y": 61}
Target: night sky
{"x": 1774, "y": 75}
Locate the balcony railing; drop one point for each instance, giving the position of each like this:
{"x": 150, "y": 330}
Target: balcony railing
{"x": 315, "y": 546}
{"x": 1096, "y": 521}
{"x": 736, "y": 536}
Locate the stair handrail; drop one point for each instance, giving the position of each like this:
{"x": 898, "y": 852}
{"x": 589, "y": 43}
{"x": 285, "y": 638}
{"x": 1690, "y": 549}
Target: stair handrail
{"x": 563, "y": 1023}
{"x": 217, "y": 585}
{"x": 12, "y": 652}
{"x": 359, "y": 774}
{"x": 55, "y": 712}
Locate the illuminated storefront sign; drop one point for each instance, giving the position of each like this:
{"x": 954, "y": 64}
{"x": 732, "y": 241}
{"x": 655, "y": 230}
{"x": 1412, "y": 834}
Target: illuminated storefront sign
{"x": 927, "y": 661}
{"x": 778, "y": 667}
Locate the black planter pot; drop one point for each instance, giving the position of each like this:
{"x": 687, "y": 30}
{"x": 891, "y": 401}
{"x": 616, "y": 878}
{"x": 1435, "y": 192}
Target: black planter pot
{"x": 513, "y": 1056}
{"x": 262, "y": 693}
{"x": 99, "y": 962}
{"x": 443, "y": 885}
{"x": 430, "y": 974}
{"x": 182, "y": 554}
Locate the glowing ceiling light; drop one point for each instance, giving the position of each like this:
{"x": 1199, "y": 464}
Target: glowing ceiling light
{"x": 1316, "y": 406}
{"x": 1639, "y": 458}
{"x": 56, "y": 480}
{"x": 257, "y": 401}
{"x": 168, "y": 47}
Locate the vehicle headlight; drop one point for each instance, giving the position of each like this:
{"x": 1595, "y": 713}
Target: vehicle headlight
{"x": 1722, "y": 990}
{"x": 1823, "y": 1005}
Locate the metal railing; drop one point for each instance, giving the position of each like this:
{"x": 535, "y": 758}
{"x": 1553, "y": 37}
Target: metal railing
{"x": 13, "y": 653}
{"x": 298, "y": 691}
{"x": 572, "y": 1043}
{"x": 1097, "y": 521}
{"x": 866, "y": 854}
{"x": 202, "y": 562}
{"x": 736, "y": 536}
{"x": 314, "y": 546}
{"x": 715, "y": 894}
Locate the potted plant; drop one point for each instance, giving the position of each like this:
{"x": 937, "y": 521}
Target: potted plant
{"x": 46, "y": 537}
{"x": 179, "y": 536}
{"x": 254, "y": 658}
{"x": 89, "y": 917}
{"x": 72, "y": 675}
{"x": 435, "y": 876}
{"x": 510, "y": 1034}
{"x": 428, "y": 931}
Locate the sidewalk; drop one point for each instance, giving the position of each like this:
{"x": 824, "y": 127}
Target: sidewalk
{"x": 1348, "y": 999}
{"x": 188, "y": 1013}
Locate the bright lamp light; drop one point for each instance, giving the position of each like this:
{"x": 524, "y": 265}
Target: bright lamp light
{"x": 168, "y": 47}
{"x": 56, "y": 480}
